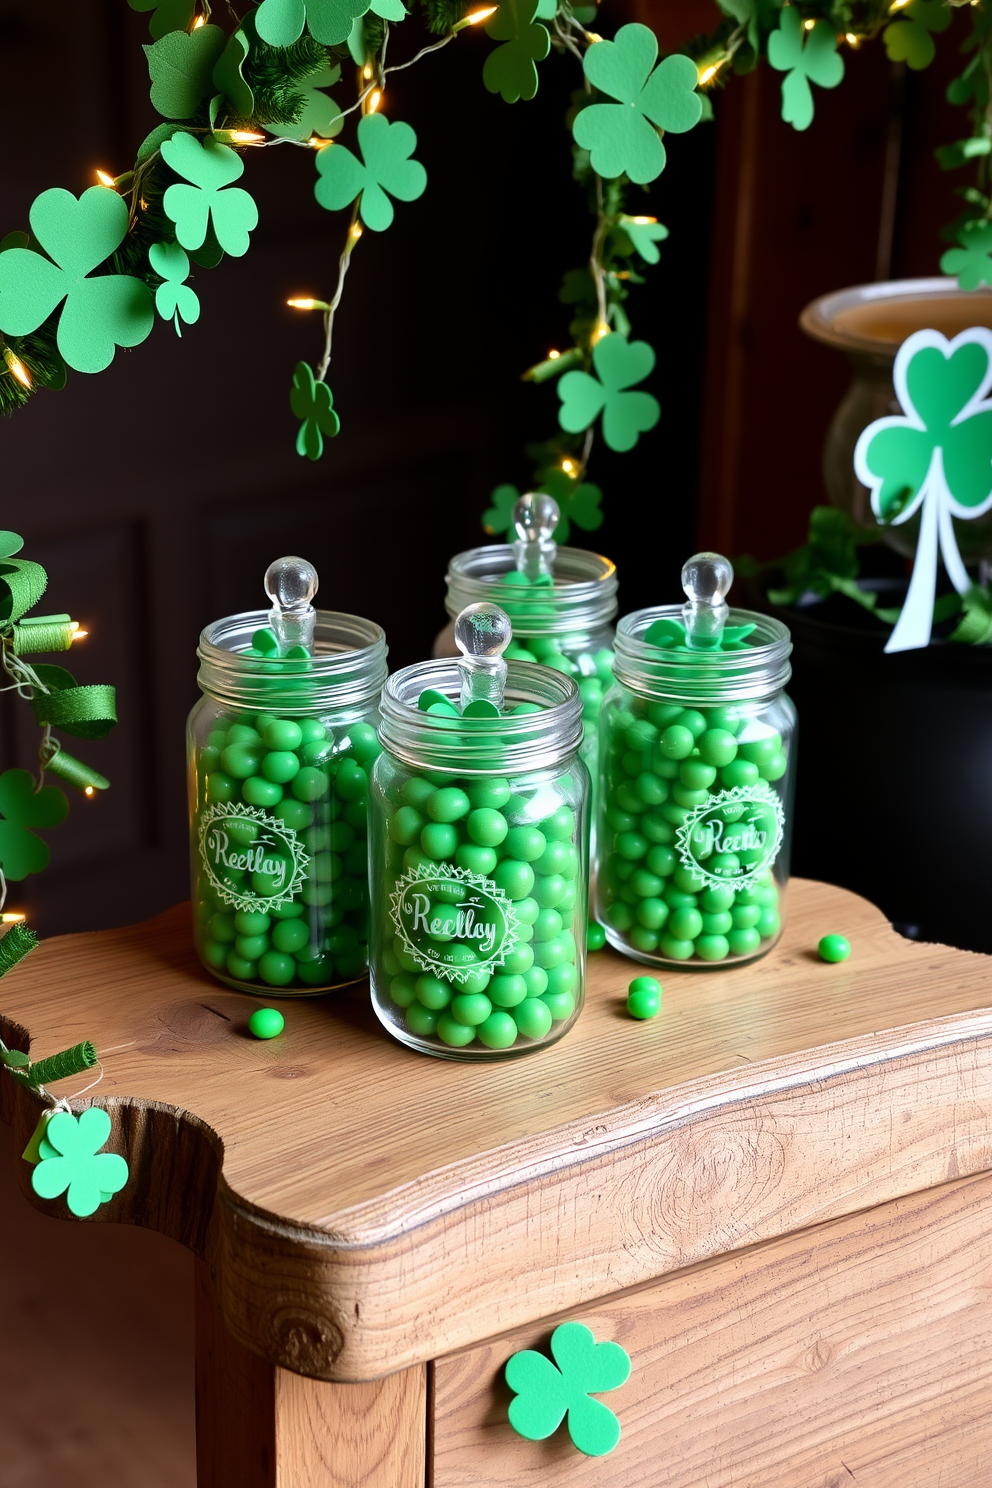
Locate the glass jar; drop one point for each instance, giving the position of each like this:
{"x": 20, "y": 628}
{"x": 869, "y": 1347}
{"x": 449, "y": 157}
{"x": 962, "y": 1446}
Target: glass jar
{"x": 695, "y": 801}
{"x": 279, "y": 752}
{"x": 478, "y": 860}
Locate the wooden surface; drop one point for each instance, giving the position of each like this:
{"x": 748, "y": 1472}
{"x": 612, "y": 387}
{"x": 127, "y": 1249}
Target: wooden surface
{"x": 363, "y": 1209}
{"x": 855, "y": 1353}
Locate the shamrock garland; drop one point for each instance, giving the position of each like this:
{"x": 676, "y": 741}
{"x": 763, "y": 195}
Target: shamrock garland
{"x": 546, "y": 1393}
{"x": 577, "y": 503}
{"x": 210, "y": 167}
{"x": 970, "y": 261}
{"x": 510, "y": 70}
{"x": 805, "y": 56}
{"x": 311, "y": 401}
{"x": 174, "y": 300}
{"x": 626, "y": 415}
{"x": 909, "y": 38}
{"x": 70, "y": 1162}
{"x": 385, "y": 167}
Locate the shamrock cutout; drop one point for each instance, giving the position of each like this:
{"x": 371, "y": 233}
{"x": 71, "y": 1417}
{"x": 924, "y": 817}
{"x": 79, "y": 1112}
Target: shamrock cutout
{"x": 281, "y": 22}
{"x": 10, "y": 543}
{"x": 623, "y": 137}
{"x": 935, "y": 458}
{"x": 99, "y": 314}
{"x": 181, "y": 68}
{"x": 576, "y": 503}
{"x": 209, "y": 166}
{"x": 618, "y": 365}
{"x": 645, "y": 234}
{"x": 545, "y": 1395}
{"x": 320, "y": 114}
{"x": 229, "y": 78}
{"x": 311, "y": 401}
{"x": 510, "y": 69}
{"x": 971, "y": 262}
{"x": 815, "y": 61}
{"x": 173, "y": 299}
{"x": 908, "y": 38}
{"x": 386, "y": 149}
{"x": 71, "y": 1159}
{"x": 21, "y": 807}
{"x": 170, "y": 15}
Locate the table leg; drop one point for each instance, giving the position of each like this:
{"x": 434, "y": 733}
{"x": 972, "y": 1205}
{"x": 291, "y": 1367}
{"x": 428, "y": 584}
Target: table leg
{"x": 259, "y": 1426}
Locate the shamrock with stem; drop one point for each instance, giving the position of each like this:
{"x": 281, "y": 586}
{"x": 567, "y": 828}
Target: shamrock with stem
{"x": 623, "y": 137}
{"x": 385, "y": 167}
{"x": 618, "y": 364}
{"x": 908, "y": 39}
{"x": 173, "y": 298}
{"x": 23, "y": 806}
{"x": 210, "y": 167}
{"x": 805, "y": 57}
{"x": 546, "y": 1394}
{"x": 311, "y": 401}
{"x": 510, "y": 70}
{"x": 934, "y": 459}
{"x": 971, "y": 262}
{"x": 71, "y": 1160}
{"x": 99, "y": 314}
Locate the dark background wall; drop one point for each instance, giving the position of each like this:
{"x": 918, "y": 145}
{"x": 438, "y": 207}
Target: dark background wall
{"x": 157, "y": 492}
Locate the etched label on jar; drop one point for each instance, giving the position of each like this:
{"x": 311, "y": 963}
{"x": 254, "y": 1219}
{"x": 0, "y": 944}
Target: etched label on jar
{"x": 733, "y": 837}
{"x": 252, "y": 861}
{"x": 441, "y": 914}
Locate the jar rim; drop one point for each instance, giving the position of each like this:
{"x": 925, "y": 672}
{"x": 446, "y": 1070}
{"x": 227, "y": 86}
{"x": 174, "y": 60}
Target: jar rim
{"x": 822, "y": 319}
{"x": 508, "y": 745}
{"x": 708, "y": 677}
{"x": 348, "y": 666}
{"x": 582, "y": 594}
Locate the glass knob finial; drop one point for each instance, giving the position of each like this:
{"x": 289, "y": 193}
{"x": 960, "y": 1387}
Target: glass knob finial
{"x": 706, "y": 579}
{"x": 291, "y": 584}
{"x": 482, "y": 633}
{"x": 535, "y": 517}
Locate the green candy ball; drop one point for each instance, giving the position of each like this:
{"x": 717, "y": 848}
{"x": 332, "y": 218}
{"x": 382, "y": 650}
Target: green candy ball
{"x": 282, "y": 733}
{"x": 498, "y": 1031}
{"x": 486, "y": 826}
{"x": 277, "y": 969}
{"x": 471, "y": 1008}
{"x": 834, "y": 948}
{"x": 533, "y": 1018}
{"x": 448, "y": 805}
{"x": 423, "y": 1022}
{"x": 595, "y": 937}
{"x": 266, "y": 1023}
{"x": 310, "y": 783}
{"x": 644, "y": 997}
{"x": 456, "y": 1035}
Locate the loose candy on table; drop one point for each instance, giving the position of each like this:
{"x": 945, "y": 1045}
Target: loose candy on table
{"x": 834, "y": 948}
{"x": 595, "y": 937}
{"x": 644, "y": 997}
{"x": 266, "y": 1023}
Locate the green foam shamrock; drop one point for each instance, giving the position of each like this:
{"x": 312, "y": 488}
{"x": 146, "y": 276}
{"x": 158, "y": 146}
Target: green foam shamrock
{"x": 311, "y": 401}
{"x": 908, "y": 39}
{"x": 578, "y": 503}
{"x": 510, "y": 69}
{"x": 21, "y": 807}
{"x": 386, "y": 149}
{"x": 71, "y": 1159}
{"x": 971, "y": 262}
{"x": 210, "y": 166}
{"x": 281, "y": 22}
{"x": 99, "y": 314}
{"x": 935, "y": 458}
{"x": 320, "y": 116}
{"x": 623, "y": 136}
{"x": 545, "y": 1395}
{"x": 618, "y": 365}
{"x": 169, "y": 15}
{"x": 645, "y": 234}
{"x": 816, "y": 61}
{"x": 229, "y": 78}
{"x": 173, "y": 299}
{"x": 181, "y": 68}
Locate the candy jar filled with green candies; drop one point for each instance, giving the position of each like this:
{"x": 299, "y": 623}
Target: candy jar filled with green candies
{"x": 477, "y": 851}
{"x": 696, "y": 774}
{"x": 562, "y": 603}
{"x": 279, "y": 753}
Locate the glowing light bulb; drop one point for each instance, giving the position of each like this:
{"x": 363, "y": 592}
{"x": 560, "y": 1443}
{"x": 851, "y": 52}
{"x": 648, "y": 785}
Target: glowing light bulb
{"x": 301, "y": 304}
{"x": 708, "y": 74}
{"x": 898, "y": 4}
{"x": 367, "y": 72}
{"x": 593, "y": 36}
{"x": 852, "y": 40}
{"x": 200, "y": 21}
{"x": 89, "y": 791}
{"x": 374, "y": 100}
{"x": 553, "y": 356}
{"x": 602, "y": 329}
{"x": 568, "y": 466}
{"x": 355, "y": 231}
{"x": 478, "y": 16}
{"x": 77, "y": 633}
{"x": 642, "y": 221}
{"x": 245, "y": 136}
{"x": 104, "y": 178}
{"x": 808, "y": 25}
{"x": 13, "y": 917}
{"x": 17, "y": 368}
{"x": 316, "y": 143}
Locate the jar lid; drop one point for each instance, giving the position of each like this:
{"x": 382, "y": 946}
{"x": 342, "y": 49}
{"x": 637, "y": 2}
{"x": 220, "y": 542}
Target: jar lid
{"x": 347, "y": 666}
{"x": 759, "y": 667}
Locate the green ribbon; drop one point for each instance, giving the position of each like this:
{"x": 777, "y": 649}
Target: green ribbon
{"x": 15, "y": 945}
{"x": 25, "y": 583}
{"x": 68, "y": 1062}
{"x": 88, "y": 712}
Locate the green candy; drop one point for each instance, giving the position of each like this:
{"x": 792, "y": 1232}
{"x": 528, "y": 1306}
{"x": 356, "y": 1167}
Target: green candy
{"x": 487, "y": 827}
{"x": 423, "y": 1021}
{"x": 506, "y": 989}
{"x": 251, "y": 922}
{"x": 240, "y": 969}
{"x": 525, "y": 843}
{"x": 439, "y": 840}
{"x": 743, "y": 942}
{"x": 449, "y": 805}
{"x": 266, "y": 1023}
{"x": 717, "y": 746}
{"x": 498, "y": 1031}
{"x": 282, "y": 733}
{"x": 516, "y": 879}
{"x": 290, "y": 936}
{"x": 403, "y": 990}
{"x": 644, "y": 997}
{"x": 476, "y": 859}
{"x": 432, "y": 992}
{"x": 833, "y": 948}
{"x": 471, "y": 1008}
{"x": 533, "y": 1018}
{"x": 492, "y": 794}
{"x": 595, "y": 938}
{"x": 677, "y": 742}
{"x": 310, "y": 783}
{"x": 276, "y": 969}
{"x": 280, "y": 765}
{"x": 712, "y": 947}
{"x": 560, "y": 1005}
{"x": 221, "y": 788}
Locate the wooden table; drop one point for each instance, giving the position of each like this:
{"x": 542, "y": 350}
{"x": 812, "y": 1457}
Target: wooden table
{"x": 775, "y": 1196}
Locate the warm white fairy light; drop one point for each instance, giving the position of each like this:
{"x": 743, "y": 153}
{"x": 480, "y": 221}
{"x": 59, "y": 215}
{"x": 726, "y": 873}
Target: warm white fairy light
{"x": 105, "y": 178}
{"x": 17, "y": 368}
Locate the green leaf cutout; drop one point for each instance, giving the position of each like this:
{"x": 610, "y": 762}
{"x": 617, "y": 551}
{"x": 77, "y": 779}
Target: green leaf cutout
{"x": 578, "y": 503}
{"x": 311, "y": 401}
{"x": 281, "y": 22}
{"x": 10, "y": 543}
{"x": 623, "y": 136}
{"x": 971, "y": 263}
{"x": 21, "y": 807}
{"x": 908, "y": 39}
{"x": 169, "y": 15}
{"x": 386, "y": 149}
{"x": 210, "y": 167}
{"x": 174, "y": 300}
{"x": 71, "y": 1160}
{"x": 545, "y": 1395}
{"x": 181, "y": 68}
{"x": 228, "y": 77}
{"x": 510, "y": 69}
{"x": 645, "y": 236}
{"x": 805, "y": 57}
{"x": 321, "y": 116}
{"x": 99, "y": 314}
{"x": 618, "y": 365}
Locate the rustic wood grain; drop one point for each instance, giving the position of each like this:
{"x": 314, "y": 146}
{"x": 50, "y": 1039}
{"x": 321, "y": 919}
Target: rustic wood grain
{"x": 855, "y": 1353}
{"x": 235, "y": 1403}
{"x": 364, "y": 1209}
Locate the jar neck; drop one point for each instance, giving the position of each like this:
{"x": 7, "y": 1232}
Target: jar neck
{"x": 759, "y": 670}
{"x": 581, "y": 597}
{"x": 510, "y": 744}
{"x": 347, "y": 668}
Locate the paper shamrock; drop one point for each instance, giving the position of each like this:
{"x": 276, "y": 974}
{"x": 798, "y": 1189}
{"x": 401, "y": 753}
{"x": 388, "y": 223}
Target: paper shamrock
{"x": 169, "y": 15}
{"x": 623, "y": 136}
{"x": 181, "y": 68}
{"x": 645, "y": 235}
{"x": 281, "y": 22}
{"x": 210, "y": 166}
{"x": 71, "y": 1159}
{"x": 935, "y": 458}
{"x": 618, "y": 364}
{"x": 174, "y": 300}
{"x": 578, "y": 503}
{"x": 229, "y": 78}
{"x": 320, "y": 115}
{"x": 21, "y": 807}
{"x": 311, "y": 401}
{"x": 971, "y": 263}
{"x": 908, "y": 39}
{"x": 545, "y": 1394}
{"x": 386, "y": 149}
{"x": 815, "y": 60}
{"x": 99, "y": 314}
{"x": 510, "y": 69}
